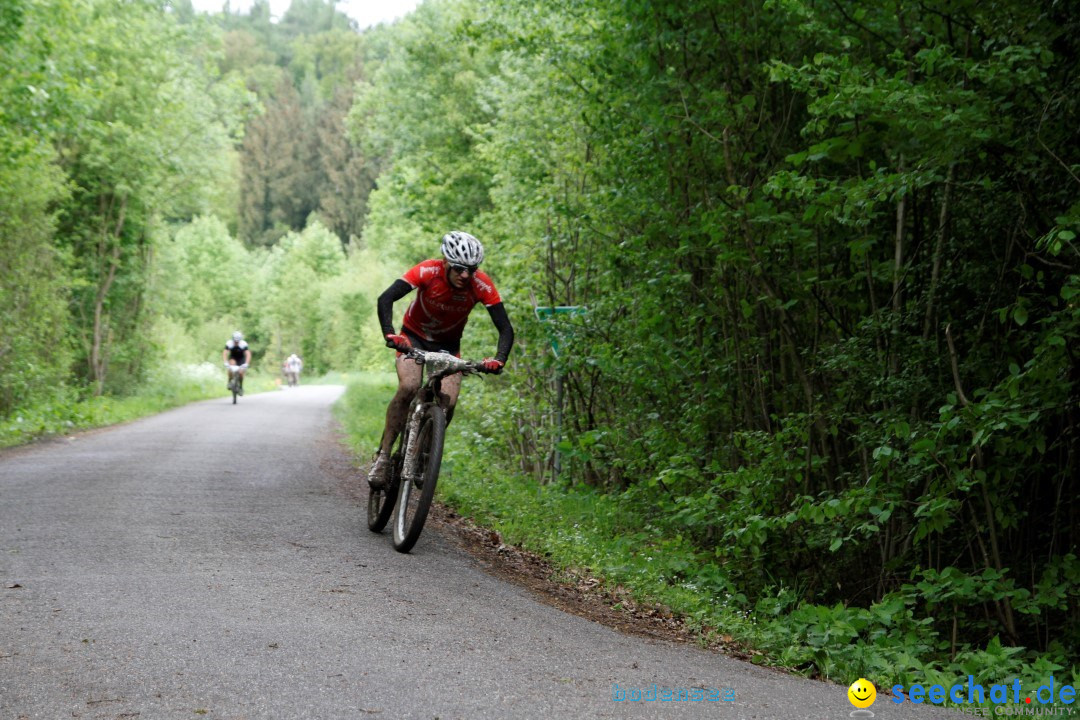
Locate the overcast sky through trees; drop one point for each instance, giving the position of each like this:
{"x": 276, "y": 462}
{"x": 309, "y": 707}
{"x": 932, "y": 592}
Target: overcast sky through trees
{"x": 364, "y": 12}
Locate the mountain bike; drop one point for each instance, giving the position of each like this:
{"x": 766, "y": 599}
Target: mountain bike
{"x": 417, "y": 453}
{"x": 236, "y": 381}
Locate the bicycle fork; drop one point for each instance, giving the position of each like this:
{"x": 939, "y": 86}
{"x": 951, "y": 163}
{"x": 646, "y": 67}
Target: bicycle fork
{"x": 408, "y": 471}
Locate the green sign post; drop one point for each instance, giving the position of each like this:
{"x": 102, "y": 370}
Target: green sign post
{"x": 557, "y": 322}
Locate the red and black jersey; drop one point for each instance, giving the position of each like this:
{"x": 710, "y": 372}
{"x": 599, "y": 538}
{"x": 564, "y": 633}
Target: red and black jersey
{"x": 440, "y": 311}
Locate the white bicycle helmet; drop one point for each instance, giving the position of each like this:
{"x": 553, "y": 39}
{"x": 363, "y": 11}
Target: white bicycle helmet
{"x": 237, "y": 336}
{"x": 461, "y": 248}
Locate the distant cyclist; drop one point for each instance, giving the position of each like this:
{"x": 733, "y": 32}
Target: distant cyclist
{"x": 293, "y": 364}
{"x": 236, "y": 352}
{"x": 446, "y": 291}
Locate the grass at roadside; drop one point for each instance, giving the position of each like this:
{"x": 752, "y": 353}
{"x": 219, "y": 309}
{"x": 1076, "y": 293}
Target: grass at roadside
{"x": 336, "y": 377}
{"x": 169, "y": 388}
{"x": 578, "y": 530}
{"x": 586, "y": 533}
{"x": 362, "y": 410}
{"x": 613, "y": 537}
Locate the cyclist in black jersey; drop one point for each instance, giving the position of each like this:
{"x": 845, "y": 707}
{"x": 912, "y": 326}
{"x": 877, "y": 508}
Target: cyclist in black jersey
{"x": 237, "y": 352}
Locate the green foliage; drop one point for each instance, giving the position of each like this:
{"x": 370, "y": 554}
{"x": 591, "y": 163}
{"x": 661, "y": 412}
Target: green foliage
{"x": 33, "y": 312}
{"x": 422, "y": 108}
{"x": 294, "y": 159}
{"x": 295, "y": 269}
{"x": 362, "y": 410}
{"x": 830, "y": 268}
{"x": 826, "y": 380}
{"x": 34, "y": 351}
{"x": 204, "y": 273}
{"x": 168, "y": 385}
{"x": 588, "y": 534}
{"x": 11, "y": 21}
{"x": 136, "y": 131}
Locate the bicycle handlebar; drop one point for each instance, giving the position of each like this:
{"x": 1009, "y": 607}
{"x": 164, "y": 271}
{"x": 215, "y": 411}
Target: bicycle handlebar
{"x": 443, "y": 363}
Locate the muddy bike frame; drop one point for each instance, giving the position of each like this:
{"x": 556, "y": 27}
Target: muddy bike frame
{"x": 417, "y": 452}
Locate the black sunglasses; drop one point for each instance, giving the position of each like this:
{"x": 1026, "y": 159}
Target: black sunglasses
{"x": 462, "y": 268}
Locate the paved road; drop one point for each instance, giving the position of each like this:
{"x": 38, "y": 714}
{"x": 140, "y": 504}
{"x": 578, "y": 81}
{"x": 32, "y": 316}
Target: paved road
{"x": 213, "y": 562}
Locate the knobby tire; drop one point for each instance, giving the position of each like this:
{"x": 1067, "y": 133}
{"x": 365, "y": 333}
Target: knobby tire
{"x": 414, "y": 502}
{"x": 381, "y": 502}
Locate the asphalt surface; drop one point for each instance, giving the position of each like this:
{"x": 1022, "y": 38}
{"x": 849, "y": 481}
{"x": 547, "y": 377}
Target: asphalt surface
{"x": 208, "y": 562}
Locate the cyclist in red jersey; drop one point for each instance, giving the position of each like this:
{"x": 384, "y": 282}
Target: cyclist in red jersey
{"x": 446, "y": 292}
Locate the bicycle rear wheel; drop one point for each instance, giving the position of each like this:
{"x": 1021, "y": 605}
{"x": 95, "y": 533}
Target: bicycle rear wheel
{"x": 380, "y": 505}
{"x": 414, "y": 497}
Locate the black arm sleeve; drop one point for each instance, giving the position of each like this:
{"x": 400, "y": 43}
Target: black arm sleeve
{"x": 392, "y": 294}
{"x": 506, "y": 331}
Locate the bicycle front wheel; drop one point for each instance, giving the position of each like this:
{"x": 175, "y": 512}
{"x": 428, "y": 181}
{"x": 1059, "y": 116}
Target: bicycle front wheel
{"x": 414, "y": 496}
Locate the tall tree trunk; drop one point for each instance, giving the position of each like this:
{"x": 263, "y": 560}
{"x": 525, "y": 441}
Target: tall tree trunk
{"x": 98, "y": 354}
{"x": 935, "y": 274}
{"x": 898, "y": 277}
{"x": 99, "y": 344}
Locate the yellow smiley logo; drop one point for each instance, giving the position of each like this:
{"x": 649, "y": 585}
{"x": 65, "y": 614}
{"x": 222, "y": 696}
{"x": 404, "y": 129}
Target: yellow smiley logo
{"x": 862, "y": 693}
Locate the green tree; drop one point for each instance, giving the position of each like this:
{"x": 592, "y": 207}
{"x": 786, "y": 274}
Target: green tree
{"x": 297, "y": 269}
{"x": 141, "y": 149}
{"x": 34, "y": 352}
{"x": 828, "y": 310}
{"x": 204, "y": 274}
{"x": 278, "y": 163}
{"x": 346, "y": 174}
{"x": 422, "y": 108}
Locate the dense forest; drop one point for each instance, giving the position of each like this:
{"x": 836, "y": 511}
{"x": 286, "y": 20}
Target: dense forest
{"x": 824, "y": 257}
